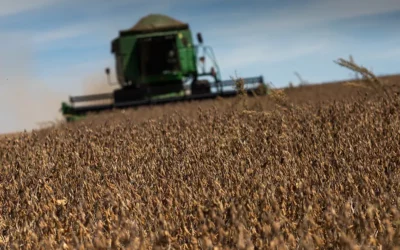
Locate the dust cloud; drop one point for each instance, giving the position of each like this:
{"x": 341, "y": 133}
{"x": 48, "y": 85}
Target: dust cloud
{"x": 26, "y": 101}
{"x": 98, "y": 84}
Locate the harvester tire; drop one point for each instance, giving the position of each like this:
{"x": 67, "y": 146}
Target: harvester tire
{"x": 201, "y": 87}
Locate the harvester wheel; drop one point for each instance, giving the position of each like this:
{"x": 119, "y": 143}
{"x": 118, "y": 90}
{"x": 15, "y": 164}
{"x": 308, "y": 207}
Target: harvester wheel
{"x": 129, "y": 94}
{"x": 261, "y": 90}
{"x": 201, "y": 87}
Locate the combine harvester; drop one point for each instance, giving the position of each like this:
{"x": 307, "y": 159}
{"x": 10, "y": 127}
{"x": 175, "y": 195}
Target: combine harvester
{"x": 157, "y": 63}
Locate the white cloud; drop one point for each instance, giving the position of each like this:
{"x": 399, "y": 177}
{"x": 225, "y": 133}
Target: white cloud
{"x": 285, "y": 20}
{"x": 101, "y": 27}
{"x": 341, "y": 9}
{"x": 105, "y": 27}
{"x": 12, "y": 7}
{"x": 235, "y": 58}
{"x": 294, "y": 17}
{"x": 386, "y": 54}
{"x": 58, "y": 34}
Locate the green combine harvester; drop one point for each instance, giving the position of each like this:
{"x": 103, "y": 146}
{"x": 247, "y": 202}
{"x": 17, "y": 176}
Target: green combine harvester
{"x": 157, "y": 63}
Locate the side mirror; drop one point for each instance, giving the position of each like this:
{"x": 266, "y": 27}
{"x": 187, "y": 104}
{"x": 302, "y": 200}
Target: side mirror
{"x": 107, "y": 71}
{"x": 199, "y": 38}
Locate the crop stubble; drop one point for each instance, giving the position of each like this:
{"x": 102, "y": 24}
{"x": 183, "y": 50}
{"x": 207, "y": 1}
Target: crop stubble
{"x": 313, "y": 167}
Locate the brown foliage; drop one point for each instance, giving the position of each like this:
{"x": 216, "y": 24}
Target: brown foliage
{"x": 312, "y": 169}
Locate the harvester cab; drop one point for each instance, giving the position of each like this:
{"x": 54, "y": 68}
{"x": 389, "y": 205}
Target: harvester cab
{"x": 157, "y": 62}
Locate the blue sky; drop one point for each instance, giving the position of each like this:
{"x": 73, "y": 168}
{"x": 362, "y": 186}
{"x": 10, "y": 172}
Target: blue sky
{"x": 55, "y": 48}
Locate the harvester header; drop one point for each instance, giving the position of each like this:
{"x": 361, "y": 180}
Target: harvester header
{"x": 157, "y": 62}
